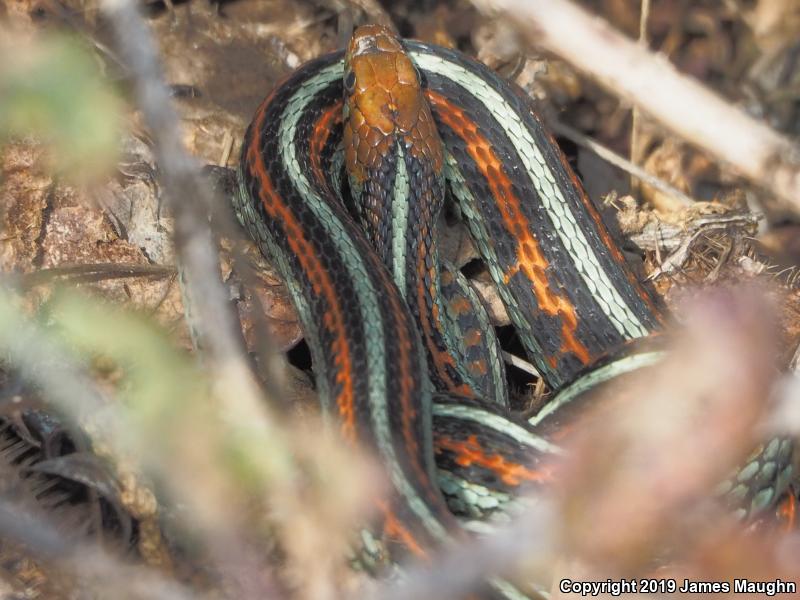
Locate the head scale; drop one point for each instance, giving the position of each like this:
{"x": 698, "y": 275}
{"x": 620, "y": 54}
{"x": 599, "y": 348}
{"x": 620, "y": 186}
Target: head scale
{"x": 384, "y": 103}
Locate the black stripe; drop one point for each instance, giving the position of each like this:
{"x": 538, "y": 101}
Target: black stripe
{"x": 493, "y": 443}
{"x": 594, "y": 330}
{"x": 393, "y": 316}
{"x": 620, "y": 275}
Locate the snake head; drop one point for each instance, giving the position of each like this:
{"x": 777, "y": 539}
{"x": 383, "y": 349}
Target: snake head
{"x": 385, "y": 104}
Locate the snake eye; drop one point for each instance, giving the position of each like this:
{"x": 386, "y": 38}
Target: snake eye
{"x": 349, "y": 82}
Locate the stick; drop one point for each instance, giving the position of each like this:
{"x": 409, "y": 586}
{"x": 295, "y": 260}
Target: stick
{"x": 680, "y": 103}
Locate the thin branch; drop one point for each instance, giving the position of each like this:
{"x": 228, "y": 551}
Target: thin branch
{"x": 95, "y": 272}
{"x": 375, "y": 12}
{"x": 520, "y": 363}
{"x": 636, "y": 141}
{"x": 62, "y": 378}
{"x": 529, "y": 539}
{"x": 618, "y": 161}
{"x": 191, "y": 202}
{"x": 93, "y": 565}
{"x": 650, "y": 82}
{"x": 189, "y": 198}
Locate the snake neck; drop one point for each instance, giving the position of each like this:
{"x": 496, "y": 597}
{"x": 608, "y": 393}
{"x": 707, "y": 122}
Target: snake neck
{"x": 394, "y": 159}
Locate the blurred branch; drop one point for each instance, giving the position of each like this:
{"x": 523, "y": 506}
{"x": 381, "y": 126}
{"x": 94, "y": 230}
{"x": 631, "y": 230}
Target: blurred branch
{"x": 42, "y": 362}
{"x": 637, "y": 149}
{"x": 650, "y": 82}
{"x": 189, "y": 198}
{"x": 786, "y": 419}
{"x": 95, "y": 567}
{"x": 530, "y": 540}
{"x": 191, "y": 201}
{"x": 617, "y": 470}
{"x": 374, "y": 11}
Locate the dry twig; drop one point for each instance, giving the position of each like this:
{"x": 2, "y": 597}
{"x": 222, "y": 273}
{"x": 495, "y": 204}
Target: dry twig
{"x": 189, "y": 199}
{"x": 95, "y": 566}
{"x": 650, "y": 82}
{"x": 618, "y": 161}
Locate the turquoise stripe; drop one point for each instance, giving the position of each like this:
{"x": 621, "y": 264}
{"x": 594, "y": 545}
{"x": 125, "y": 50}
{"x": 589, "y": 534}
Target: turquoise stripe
{"x": 400, "y": 225}
{"x": 498, "y": 423}
{"x": 571, "y": 235}
{"x": 368, "y": 300}
{"x": 595, "y": 378}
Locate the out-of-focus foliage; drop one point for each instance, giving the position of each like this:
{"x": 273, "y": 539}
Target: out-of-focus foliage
{"x": 52, "y": 89}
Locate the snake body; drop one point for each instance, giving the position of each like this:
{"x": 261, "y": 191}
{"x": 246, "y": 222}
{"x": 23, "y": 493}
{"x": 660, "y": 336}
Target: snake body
{"x": 361, "y": 297}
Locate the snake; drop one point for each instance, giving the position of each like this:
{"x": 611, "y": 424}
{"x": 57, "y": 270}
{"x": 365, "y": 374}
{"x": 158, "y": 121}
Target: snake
{"x": 408, "y": 119}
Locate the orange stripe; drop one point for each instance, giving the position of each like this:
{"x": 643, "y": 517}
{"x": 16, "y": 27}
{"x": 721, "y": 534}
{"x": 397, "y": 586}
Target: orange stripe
{"x": 432, "y": 321}
{"x": 408, "y": 403}
{"x": 323, "y": 128}
{"x": 470, "y": 452}
{"x": 604, "y": 234}
{"x": 460, "y": 305}
{"x": 473, "y": 337}
{"x": 394, "y": 529}
{"x": 333, "y": 319}
{"x": 787, "y": 511}
{"x": 530, "y": 259}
